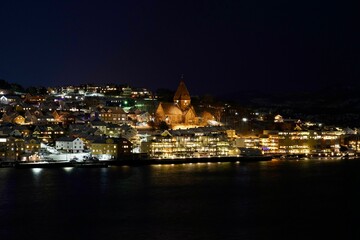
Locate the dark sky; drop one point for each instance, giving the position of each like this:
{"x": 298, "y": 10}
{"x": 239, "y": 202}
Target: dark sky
{"x": 219, "y": 46}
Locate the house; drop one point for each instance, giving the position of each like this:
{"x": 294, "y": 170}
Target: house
{"x": 32, "y": 145}
{"x": 69, "y": 144}
{"x": 15, "y": 147}
{"x": 4, "y": 100}
{"x": 20, "y": 120}
{"x": 37, "y": 99}
{"x": 113, "y": 115}
{"x": 101, "y": 125}
{"x": 48, "y": 132}
{"x": 30, "y": 118}
{"x": 10, "y": 99}
{"x": 23, "y": 130}
{"x": 116, "y": 147}
{"x": 113, "y": 130}
{"x": 128, "y": 132}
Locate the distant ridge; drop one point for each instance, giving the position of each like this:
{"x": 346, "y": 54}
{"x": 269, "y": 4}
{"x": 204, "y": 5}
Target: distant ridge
{"x": 331, "y": 104}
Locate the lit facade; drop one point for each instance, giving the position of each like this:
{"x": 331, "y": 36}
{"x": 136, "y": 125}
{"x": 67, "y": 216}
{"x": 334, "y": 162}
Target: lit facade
{"x": 15, "y": 148}
{"x": 309, "y": 142}
{"x": 269, "y": 143}
{"x": 193, "y": 144}
{"x": 180, "y": 112}
{"x": 115, "y": 147}
{"x": 69, "y": 144}
{"x": 113, "y": 115}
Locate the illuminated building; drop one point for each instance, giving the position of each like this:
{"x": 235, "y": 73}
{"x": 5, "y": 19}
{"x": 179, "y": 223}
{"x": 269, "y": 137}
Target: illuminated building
{"x": 48, "y": 133}
{"x": 20, "y": 120}
{"x": 15, "y": 147}
{"x": 294, "y": 142}
{"x": 113, "y": 115}
{"x": 196, "y": 142}
{"x": 269, "y": 143}
{"x": 180, "y": 111}
{"x": 69, "y": 144}
{"x": 32, "y": 145}
{"x": 115, "y": 147}
{"x": 248, "y": 142}
{"x": 34, "y": 99}
{"x": 140, "y": 93}
{"x": 309, "y": 142}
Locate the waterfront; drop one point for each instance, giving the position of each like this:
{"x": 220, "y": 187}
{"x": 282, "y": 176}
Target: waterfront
{"x": 279, "y": 199}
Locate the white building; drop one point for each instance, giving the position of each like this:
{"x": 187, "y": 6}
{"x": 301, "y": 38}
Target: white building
{"x": 69, "y": 144}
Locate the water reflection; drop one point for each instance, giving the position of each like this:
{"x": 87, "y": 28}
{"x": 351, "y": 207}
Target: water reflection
{"x": 203, "y": 201}
{"x": 68, "y": 169}
{"x": 36, "y": 171}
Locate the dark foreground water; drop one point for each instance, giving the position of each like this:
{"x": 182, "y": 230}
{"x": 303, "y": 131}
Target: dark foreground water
{"x": 307, "y": 199}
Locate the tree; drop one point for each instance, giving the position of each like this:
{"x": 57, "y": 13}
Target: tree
{"x": 4, "y": 84}
{"x": 16, "y": 87}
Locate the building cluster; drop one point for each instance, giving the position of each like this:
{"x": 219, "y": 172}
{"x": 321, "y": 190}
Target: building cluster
{"x": 118, "y": 121}
{"x": 73, "y": 120}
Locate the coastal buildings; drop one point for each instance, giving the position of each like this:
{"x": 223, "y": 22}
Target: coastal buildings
{"x": 193, "y": 142}
{"x": 310, "y": 142}
{"x": 115, "y": 121}
{"x": 295, "y": 142}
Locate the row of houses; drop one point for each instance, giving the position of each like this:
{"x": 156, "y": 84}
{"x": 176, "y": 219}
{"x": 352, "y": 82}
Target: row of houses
{"x": 60, "y": 110}
{"x": 49, "y": 133}
{"x": 113, "y": 115}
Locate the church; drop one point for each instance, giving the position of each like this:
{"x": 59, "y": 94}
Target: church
{"x": 179, "y": 113}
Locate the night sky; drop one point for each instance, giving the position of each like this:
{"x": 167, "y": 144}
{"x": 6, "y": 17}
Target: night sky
{"x": 220, "y": 46}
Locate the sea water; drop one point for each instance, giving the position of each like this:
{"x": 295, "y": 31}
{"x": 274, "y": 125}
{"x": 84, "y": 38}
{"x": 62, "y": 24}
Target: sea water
{"x": 279, "y": 199}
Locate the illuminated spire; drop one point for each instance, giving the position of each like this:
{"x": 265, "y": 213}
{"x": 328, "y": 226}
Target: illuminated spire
{"x": 182, "y": 93}
{"x": 182, "y": 96}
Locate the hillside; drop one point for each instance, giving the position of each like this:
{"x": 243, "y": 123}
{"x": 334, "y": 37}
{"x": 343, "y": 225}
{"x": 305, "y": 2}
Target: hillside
{"x": 335, "y": 105}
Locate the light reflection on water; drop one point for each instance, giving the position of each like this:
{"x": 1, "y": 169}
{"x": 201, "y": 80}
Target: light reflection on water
{"x": 264, "y": 200}
{"x": 68, "y": 169}
{"x": 36, "y": 171}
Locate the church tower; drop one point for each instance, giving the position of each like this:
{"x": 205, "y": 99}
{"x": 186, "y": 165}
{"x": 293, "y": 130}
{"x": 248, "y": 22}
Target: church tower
{"x": 182, "y": 96}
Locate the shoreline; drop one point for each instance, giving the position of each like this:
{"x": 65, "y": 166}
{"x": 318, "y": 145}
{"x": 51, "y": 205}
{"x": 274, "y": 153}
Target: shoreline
{"x": 135, "y": 162}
